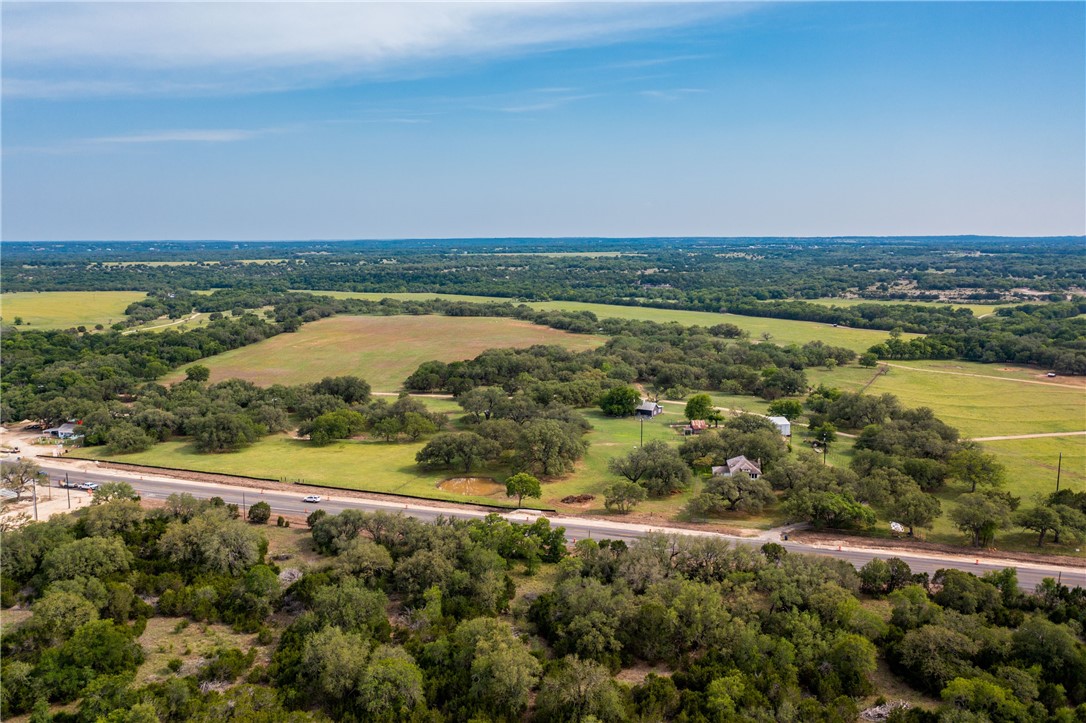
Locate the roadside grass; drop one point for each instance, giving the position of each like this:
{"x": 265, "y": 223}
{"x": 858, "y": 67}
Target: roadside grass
{"x": 781, "y": 331}
{"x": 384, "y": 350}
{"x": 1031, "y": 475}
{"x": 367, "y": 465}
{"x": 169, "y": 637}
{"x": 1031, "y": 464}
{"x": 65, "y": 309}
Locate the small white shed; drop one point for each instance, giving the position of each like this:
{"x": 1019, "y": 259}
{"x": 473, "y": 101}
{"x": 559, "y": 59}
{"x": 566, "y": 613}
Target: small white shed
{"x": 783, "y": 425}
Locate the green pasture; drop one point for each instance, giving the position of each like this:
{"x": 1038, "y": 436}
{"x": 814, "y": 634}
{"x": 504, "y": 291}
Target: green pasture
{"x": 977, "y": 309}
{"x": 372, "y": 466}
{"x": 1031, "y": 464}
{"x": 384, "y": 350}
{"x": 781, "y": 331}
{"x": 973, "y": 399}
{"x": 65, "y": 309}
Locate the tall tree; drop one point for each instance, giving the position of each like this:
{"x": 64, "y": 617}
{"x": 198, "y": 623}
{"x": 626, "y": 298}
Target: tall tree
{"x": 980, "y": 515}
{"x": 522, "y": 485}
{"x": 973, "y": 467}
{"x": 620, "y": 401}
{"x": 19, "y": 475}
{"x": 913, "y": 507}
{"x": 698, "y": 406}
{"x": 548, "y": 447}
{"x": 623, "y": 495}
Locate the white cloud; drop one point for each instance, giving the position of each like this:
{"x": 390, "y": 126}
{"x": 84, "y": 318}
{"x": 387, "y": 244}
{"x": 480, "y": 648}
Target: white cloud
{"x": 549, "y": 104}
{"x": 57, "y": 49}
{"x": 226, "y": 135}
{"x": 670, "y": 95}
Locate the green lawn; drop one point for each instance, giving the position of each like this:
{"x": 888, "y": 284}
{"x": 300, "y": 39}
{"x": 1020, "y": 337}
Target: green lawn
{"x": 363, "y": 465}
{"x": 781, "y": 331}
{"x": 384, "y": 350}
{"x": 65, "y": 309}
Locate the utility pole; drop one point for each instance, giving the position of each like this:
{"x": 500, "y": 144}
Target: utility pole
{"x": 34, "y": 488}
{"x": 1059, "y": 467}
{"x": 68, "y": 490}
{"x": 243, "y": 505}
{"x": 642, "y": 431}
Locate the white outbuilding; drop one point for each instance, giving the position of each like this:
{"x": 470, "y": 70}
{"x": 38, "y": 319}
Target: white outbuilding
{"x": 783, "y": 425}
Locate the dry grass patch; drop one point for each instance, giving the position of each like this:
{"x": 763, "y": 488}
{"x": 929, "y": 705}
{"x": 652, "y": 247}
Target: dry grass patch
{"x": 294, "y": 541}
{"x": 11, "y": 617}
{"x": 166, "y": 638}
{"x": 383, "y": 350}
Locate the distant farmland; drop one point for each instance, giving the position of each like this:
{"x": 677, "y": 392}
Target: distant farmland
{"x": 384, "y": 350}
{"x": 780, "y": 331}
{"x": 65, "y": 309}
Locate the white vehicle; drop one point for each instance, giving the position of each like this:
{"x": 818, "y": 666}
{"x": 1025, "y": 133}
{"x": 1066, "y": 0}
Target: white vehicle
{"x": 311, "y": 498}
{"x": 89, "y": 486}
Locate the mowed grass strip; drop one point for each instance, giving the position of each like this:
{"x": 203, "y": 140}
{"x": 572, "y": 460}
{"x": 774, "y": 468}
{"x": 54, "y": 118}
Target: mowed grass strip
{"x": 383, "y": 350}
{"x": 65, "y": 309}
{"x": 371, "y": 466}
{"x": 781, "y": 331}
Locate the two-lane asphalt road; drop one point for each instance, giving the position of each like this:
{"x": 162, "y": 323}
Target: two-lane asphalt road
{"x": 287, "y": 499}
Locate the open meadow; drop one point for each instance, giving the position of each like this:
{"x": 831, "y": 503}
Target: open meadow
{"x": 65, "y": 309}
{"x": 978, "y": 310}
{"x": 384, "y": 350}
{"x": 781, "y": 331}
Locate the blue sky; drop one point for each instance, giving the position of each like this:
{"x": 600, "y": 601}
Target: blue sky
{"x": 309, "y": 120}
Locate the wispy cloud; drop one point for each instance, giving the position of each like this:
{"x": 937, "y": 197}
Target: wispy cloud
{"x": 106, "y": 143}
{"x": 547, "y": 104}
{"x": 92, "y": 48}
{"x": 670, "y": 95}
{"x": 653, "y": 62}
{"x": 226, "y": 135}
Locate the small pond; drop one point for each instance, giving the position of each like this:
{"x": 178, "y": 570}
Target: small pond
{"x": 474, "y": 486}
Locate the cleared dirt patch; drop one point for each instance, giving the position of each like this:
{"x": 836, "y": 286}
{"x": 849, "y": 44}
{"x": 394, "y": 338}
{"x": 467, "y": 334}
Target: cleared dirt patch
{"x": 475, "y": 486}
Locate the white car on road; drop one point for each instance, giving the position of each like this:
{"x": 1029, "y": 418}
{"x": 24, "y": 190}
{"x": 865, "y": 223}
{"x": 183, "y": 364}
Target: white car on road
{"x": 311, "y": 498}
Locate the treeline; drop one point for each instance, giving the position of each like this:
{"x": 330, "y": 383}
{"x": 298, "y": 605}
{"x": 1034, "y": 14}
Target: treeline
{"x": 681, "y": 273}
{"x": 404, "y": 621}
{"x": 1052, "y": 336}
{"x": 673, "y": 359}
{"x": 40, "y": 367}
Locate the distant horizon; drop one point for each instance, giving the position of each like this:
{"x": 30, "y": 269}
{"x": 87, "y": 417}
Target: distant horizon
{"x": 837, "y": 237}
